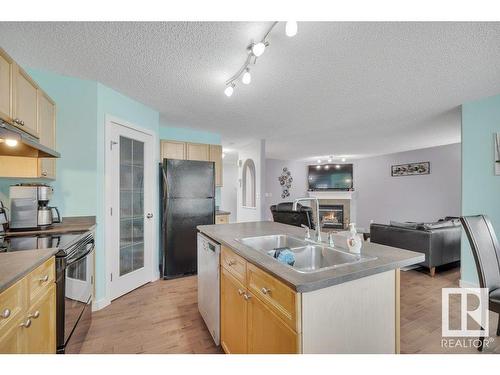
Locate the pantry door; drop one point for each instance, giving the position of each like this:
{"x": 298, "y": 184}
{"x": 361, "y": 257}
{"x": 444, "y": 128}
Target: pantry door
{"x": 129, "y": 173}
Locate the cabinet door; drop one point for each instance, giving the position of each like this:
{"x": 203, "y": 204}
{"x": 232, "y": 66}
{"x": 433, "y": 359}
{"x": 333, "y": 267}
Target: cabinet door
{"x": 47, "y": 131}
{"x": 233, "y": 315}
{"x": 215, "y": 152}
{"x": 6, "y": 76}
{"x": 12, "y": 338}
{"x": 41, "y": 335}
{"x": 25, "y": 102}
{"x": 197, "y": 151}
{"x": 173, "y": 150}
{"x": 268, "y": 334}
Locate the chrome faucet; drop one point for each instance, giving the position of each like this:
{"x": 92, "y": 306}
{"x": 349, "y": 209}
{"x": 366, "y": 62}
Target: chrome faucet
{"x": 318, "y": 225}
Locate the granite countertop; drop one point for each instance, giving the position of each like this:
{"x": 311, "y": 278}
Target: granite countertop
{"x": 220, "y": 212}
{"x": 68, "y": 224}
{"x": 14, "y": 266}
{"x": 388, "y": 258}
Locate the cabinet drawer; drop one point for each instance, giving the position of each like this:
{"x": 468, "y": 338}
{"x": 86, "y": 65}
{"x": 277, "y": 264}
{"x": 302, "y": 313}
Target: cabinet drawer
{"x": 12, "y": 304}
{"x": 235, "y": 264}
{"x": 277, "y": 296}
{"x": 221, "y": 219}
{"x": 41, "y": 279}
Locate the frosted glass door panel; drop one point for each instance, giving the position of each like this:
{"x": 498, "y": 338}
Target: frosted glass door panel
{"x": 131, "y": 205}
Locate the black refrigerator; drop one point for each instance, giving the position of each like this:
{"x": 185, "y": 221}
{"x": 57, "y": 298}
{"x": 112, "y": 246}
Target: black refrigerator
{"x": 187, "y": 194}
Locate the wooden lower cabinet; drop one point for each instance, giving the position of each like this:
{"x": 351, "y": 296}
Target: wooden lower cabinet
{"x": 221, "y": 219}
{"x": 233, "y": 315}
{"x": 268, "y": 334}
{"x": 248, "y": 324}
{"x": 41, "y": 335}
{"x": 31, "y": 325}
{"x": 12, "y": 338}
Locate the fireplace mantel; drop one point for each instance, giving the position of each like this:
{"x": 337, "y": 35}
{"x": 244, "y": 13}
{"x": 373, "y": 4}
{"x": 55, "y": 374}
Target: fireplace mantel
{"x": 331, "y": 194}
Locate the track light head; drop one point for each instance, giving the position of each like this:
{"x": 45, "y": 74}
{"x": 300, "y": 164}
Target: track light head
{"x": 291, "y": 28}
{"x": 229, "y": 90}
{"x": 258, "y": 49}
{"x": 247, "y": 77}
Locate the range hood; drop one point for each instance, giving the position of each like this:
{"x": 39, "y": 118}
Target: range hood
{"x": 27, "y": 145}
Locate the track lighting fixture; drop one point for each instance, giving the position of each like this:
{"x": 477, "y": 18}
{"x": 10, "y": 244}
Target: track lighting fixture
{"x": 319, "y": 161}
{"x": 247, "y": 77}
{"x": 343, "y": 160}
{"x": 255, "y": 50}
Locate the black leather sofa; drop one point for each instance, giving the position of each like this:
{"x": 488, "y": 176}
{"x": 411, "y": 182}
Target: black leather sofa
{"x": 283, "y": 213}
{"x": 440, "y": 241}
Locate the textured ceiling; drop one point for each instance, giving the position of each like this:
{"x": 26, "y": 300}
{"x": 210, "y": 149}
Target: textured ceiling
{"x": 335, "y": 88}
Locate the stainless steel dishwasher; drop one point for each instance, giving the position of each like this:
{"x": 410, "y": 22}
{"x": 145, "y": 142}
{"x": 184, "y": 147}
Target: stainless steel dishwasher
{"x": 208, "y": 284}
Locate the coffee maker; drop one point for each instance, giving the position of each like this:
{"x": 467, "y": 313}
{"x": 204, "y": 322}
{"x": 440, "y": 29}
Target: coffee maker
{"x": 29, "y": 207}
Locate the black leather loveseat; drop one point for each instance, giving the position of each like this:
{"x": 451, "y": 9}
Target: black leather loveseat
{"x": 440, "y": 241}
{"x": 283, "y": 213}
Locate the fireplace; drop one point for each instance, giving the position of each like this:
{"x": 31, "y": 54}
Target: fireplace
{"x": 331, "y": 216}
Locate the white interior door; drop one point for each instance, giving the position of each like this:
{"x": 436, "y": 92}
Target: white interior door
{"x": 129, "y": 184}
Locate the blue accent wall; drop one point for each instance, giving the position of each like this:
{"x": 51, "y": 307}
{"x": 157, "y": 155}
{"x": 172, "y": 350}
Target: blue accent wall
{"x": 82, "y": 108}
{"x": 480, "y": 186}
{"x": 188, "y": 135}
{"x": 119, "y": 106}
{"x": 76, "y": 115}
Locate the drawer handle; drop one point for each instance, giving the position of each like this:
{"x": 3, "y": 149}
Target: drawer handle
{"x": 265, "y": 291}
{"x": 26, "y": 324}
{"x": 35, "y": 315}
{"x": 44, "y": 173}
{"x": 44, "y": 279}
{"x": 246, "y": 296}
{"x": 240, "y": 292}
{"x": 6, "y": 313}
{"x": 231, "y": 263}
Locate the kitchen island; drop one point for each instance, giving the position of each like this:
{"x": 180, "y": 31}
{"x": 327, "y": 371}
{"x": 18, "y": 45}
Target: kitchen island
{"x": 270, "y": 307}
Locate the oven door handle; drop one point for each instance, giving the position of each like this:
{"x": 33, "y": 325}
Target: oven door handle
{"x": 79, "y": 257}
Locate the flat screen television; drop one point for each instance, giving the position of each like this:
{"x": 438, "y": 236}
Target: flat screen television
{"x": 330, "y": 177}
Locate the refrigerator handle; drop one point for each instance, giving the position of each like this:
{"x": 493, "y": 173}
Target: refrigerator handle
{"x": 164, "y": 216}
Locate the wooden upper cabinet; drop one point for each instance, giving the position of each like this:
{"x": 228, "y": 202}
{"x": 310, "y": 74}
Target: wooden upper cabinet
{"x": 6, "y": 77}
{"x": 47, "y": 129}
{"x": 25, "y": 102}
{"x": 197, "y": 151}
{"x": 173, "y": 150}
{"x": 194, "y": 151}
{"x": 215, "y": 154}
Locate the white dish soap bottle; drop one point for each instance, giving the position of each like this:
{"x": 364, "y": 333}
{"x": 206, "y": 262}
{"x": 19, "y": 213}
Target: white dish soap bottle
{"x": 354, "y": 242}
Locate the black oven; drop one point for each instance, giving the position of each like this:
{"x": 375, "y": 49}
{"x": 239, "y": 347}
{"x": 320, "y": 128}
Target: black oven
{"x": 74, "y": 281}
{"x": 74, "y": 294}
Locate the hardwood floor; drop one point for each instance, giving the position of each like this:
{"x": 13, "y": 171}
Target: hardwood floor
{"x": 421, "y": 313}
{"x": 163, "y": 317}
{"x": 159, "y": 317}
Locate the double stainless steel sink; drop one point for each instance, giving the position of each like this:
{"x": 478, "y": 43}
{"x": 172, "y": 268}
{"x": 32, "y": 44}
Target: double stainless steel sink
{"x": 309, "y": 256}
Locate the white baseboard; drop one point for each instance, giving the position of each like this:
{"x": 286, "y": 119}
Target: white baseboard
{"x": 467, "y": 284}
{"x": 100, "y": 304}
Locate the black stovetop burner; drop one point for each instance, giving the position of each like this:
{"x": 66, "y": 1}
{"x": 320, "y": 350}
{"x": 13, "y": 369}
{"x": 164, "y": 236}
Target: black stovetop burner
{"x": 40, "y": 241}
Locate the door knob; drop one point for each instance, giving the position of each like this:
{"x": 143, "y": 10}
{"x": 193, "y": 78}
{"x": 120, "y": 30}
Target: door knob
{"x": 149, "y": 216}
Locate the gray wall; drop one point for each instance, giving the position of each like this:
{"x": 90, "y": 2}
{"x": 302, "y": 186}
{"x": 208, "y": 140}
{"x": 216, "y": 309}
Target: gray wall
{"x": 274, "y": 168}
{"x": 381, "y": 198}
{"x": 229, "y": 192}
